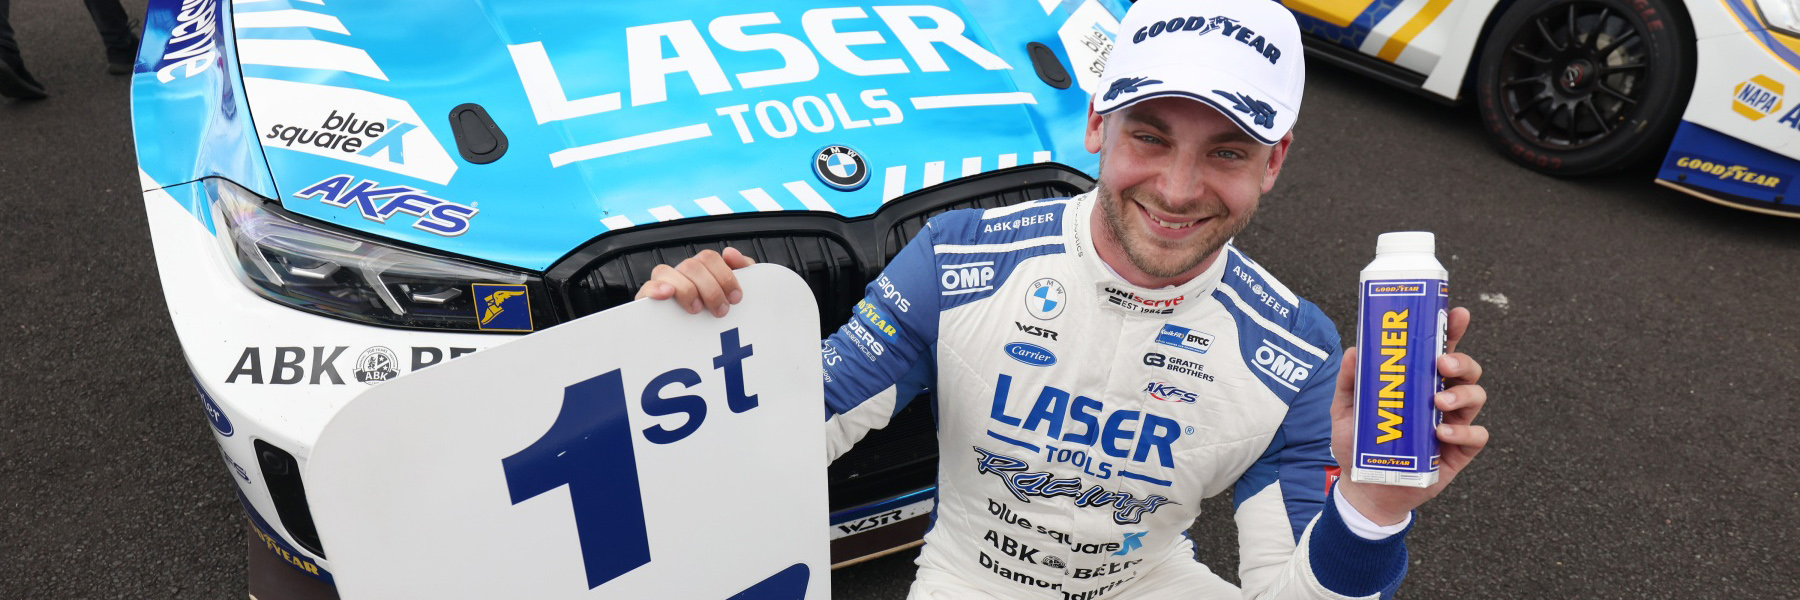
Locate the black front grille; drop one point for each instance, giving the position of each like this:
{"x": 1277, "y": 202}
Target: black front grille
{"x": 825, "y": 261}
{"x": 837, "y": 257}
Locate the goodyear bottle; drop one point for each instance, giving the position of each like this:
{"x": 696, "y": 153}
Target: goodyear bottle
{"x": 1400, "y": 334}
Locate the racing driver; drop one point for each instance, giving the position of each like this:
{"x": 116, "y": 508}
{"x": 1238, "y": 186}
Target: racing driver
{"x": 1102, "y": 363}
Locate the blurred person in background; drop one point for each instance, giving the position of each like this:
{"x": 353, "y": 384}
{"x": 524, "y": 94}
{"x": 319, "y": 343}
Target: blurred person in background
{"x": 117, "y": 31}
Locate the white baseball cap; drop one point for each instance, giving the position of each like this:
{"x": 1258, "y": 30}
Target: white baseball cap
{"x": 1242, "y": 57}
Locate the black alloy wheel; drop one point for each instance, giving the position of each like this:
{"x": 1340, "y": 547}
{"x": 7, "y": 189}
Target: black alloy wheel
{"x": 1572, "y": 87}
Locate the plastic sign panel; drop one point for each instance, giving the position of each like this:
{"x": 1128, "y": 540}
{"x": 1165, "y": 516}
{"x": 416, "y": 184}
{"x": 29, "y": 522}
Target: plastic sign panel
{"x": 638, "y": 453}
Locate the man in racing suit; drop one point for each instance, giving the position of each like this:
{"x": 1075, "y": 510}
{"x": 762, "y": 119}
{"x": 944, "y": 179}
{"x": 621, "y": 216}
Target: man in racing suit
{"x": 1102, "y": 363}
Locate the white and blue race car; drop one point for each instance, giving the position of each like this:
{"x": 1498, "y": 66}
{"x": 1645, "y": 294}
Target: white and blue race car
{"x": 1573, "y": 87}
{"x": 341, "y": 193}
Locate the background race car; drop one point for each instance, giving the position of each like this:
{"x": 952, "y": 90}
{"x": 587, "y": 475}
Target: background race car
{"x": 340, "y": 194}
{"x": 1572, "y": 87}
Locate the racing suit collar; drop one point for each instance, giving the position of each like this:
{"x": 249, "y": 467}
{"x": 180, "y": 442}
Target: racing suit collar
{"x": 1115, "y": 292}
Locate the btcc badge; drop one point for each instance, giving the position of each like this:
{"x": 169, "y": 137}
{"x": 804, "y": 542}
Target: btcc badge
{"x": 1045, "y": 298}
{"x": 841, "y": 168}
{"x": 502, "y": 307}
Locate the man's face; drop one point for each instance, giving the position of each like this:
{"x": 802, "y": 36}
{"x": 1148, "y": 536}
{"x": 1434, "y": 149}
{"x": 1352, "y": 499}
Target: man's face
{"x": 1177, "y": 179}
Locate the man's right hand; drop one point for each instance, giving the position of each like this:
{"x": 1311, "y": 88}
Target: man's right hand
{"x": 702, "y": 282}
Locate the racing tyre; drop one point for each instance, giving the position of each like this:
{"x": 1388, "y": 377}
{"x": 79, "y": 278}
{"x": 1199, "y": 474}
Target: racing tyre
{"x": 1572, "y": 87}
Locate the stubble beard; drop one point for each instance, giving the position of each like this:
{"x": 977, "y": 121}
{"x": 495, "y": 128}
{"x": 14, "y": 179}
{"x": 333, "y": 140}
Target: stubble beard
{"x": 1155, "y": 257}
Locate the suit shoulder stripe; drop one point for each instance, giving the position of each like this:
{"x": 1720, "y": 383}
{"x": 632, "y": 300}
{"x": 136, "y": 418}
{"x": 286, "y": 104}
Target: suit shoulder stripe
{"x": 994, "y": 248}
{"x": 1286, "y": 294}
{"x": 995, "y": 213}
{"x": 1279, "y": 331}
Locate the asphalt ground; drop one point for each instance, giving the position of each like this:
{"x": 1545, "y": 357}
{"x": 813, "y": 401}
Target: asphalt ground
{"x": 1640, "y": 348}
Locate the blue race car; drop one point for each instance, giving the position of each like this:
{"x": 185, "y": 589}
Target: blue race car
{"x": 342, "y": 193}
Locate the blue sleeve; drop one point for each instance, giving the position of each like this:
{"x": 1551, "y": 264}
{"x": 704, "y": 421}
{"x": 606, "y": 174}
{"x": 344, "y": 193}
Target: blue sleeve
{"x": 1294, "y": 470}
{"x": 884, "y": 356}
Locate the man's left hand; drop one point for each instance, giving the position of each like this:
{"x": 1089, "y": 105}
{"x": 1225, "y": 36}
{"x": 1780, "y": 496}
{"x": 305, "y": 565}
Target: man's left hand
{"x": 1459, "y": 440}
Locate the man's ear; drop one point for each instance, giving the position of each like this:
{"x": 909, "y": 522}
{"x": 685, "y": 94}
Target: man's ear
{"x": 1095, "y": 134}
{"x": 1277, "y": 156}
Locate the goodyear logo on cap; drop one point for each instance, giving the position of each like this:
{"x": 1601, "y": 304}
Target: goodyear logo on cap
{"x": 1756, "y": 97}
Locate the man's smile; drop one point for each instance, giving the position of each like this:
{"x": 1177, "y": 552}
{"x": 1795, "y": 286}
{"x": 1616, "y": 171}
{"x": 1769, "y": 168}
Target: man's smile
{"x": 1169, "y": 225}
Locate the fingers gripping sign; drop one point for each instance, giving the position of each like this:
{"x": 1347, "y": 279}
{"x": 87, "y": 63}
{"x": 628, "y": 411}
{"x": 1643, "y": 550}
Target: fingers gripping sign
{"x": 702, "y": 282}
{"x": 1458, "y": 437}
{"x": 564, "y": 465}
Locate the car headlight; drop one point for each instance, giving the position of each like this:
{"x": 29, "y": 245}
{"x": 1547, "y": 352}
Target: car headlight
{"x": 344, "y": 275}
{"x": 1781, "y": 15}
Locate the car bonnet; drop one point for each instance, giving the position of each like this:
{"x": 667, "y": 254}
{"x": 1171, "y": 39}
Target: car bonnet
{"x": 580, "y": 118}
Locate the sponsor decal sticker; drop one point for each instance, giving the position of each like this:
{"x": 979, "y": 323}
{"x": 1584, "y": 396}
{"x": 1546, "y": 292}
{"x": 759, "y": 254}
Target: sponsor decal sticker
{"x": 1018, "y": 223}
{"x": 883, "y": 519}
{"x": 1087, "y": 39}
{"x": 1739, "y": 173}
{"x": 1126, "y": 85}
{"x": 1133, "y": 541}
{"x": 375, "y": 365}
{"x": 1757, "y": 97}
{"x": 1280, "y": 364}
{"x": 379, "y": 203}
{"x": 865, "y": 341}
{"x": 1035, "y": 330}
{"x": 966, "y": 278}
{"x": 1006, "y": 514}
{"x": 1259, "y": 112}
{"x": 892, "y": 294}
{"x": 1185, "y": 339}
{"x": 842, "y": 168}
{"x": 344, "y": 133}
{"x": 235, "y": 468}
{"x": 1131, "y": 301}
{"x": 1140, "y": 441}
{"x": 1178, "y": 365}
{"x": 1127, "y": 508}
{"x": 1225, "y": 26}
{"x": 1256, "y": 287}
{"x": 1017, "y": 549}
{"x": 190, "y": 41}
{"x": 1166, "y": 392}
{"x": 1045, "y": 298}
{"x": 502, "y": 307}
{"x": 220, "y": 422}
{"x": 877, "y": 321}
{"x": 1030, "y": 354}
{"x": 1403, "y": 288}
{"x": 348, "y": 125}
{"x": 318, "y": 365}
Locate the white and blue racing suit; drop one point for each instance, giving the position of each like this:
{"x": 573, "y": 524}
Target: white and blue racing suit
{"x": 1081, "y": 419}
